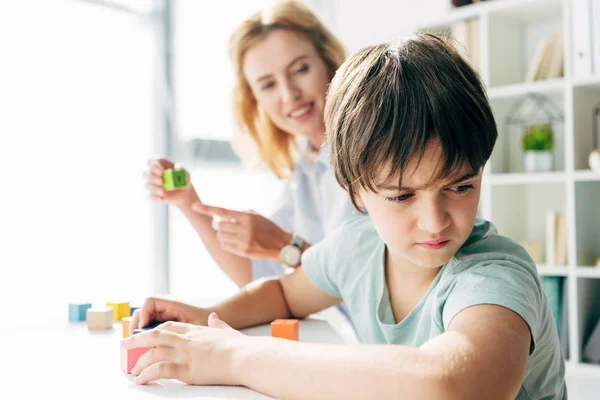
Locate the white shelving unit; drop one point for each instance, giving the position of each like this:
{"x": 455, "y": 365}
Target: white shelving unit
{"x": 516, "y": 201}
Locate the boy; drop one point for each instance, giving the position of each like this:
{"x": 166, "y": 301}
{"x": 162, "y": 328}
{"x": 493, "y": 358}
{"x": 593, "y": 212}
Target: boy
{"x": 446, "y": 307}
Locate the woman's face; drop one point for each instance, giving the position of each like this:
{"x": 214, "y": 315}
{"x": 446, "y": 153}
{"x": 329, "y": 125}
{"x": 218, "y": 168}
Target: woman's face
{"x": 289, "y": 81}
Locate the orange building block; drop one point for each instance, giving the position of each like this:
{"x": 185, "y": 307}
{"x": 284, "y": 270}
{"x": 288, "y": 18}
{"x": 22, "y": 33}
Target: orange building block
{"x": 285, "y": 328}
{"x": 126, "y": 323}
{"x": 129, "y": 357}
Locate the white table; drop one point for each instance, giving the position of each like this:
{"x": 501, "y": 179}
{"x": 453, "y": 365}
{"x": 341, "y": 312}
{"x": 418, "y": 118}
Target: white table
{"x": 54, "y": 358}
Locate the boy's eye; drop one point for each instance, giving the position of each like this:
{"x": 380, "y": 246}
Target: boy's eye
{"x": 302, "y": 69}
{"x": 462, "y": 188}
{"x": 267, "y": 85}
{"x": 400, "y": 199}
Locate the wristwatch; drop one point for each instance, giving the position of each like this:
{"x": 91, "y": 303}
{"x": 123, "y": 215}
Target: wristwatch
{"x": 290, "y": 253}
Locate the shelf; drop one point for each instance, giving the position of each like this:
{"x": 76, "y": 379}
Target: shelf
{"x": 526, "y": 178}
{"x": 588, "y": 272}
{"x": 586, "y": 176}
{"x": 545, "y": 270}
{"x": 549, "y": 86}
{"x": 518, "y": 10}
{"x": 591, "y": 81}
{"x": 586, "y": 367}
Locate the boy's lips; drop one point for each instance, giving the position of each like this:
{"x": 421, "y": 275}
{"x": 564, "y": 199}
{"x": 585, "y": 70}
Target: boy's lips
{"x": 435, "y": 244}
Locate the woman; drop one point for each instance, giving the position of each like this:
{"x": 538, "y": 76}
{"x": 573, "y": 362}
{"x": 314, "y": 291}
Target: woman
{"x": 284, "y": 59}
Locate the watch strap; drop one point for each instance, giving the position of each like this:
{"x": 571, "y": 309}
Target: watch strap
{"x": 297, "y": 241}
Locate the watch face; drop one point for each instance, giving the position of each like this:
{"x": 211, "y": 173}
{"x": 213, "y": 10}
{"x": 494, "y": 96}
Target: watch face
{"x": 290, "y": 255}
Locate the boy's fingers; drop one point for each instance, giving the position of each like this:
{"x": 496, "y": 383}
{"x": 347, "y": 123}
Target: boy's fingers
{"x": 153, "y": 356}
{"x": 134, "y": 321}
{"x": 176, "y": 327}
{"x": 161, "y": 369}
{"x": 152, "y": 338}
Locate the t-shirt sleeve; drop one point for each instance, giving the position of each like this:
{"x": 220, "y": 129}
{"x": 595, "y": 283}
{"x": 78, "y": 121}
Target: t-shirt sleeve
{"x": 501, "y": 282}
{"x": 318, "y": 263}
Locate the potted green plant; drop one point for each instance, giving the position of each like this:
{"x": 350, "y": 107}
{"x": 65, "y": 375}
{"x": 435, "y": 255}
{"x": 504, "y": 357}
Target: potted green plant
{"x": 538, "y": 143}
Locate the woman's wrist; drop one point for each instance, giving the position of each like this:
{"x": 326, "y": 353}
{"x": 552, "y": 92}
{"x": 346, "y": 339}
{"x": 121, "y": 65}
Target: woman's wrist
{"x": 186, "y": 205}
{"x": 284, "y": 239}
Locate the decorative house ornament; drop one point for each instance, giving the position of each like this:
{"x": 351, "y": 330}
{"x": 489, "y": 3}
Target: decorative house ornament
{"x": 536, "y": 115}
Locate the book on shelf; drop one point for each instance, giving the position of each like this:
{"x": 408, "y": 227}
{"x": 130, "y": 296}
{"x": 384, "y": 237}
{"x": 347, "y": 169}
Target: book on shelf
{"x": 467, "y": 35}
{"x": 552, "y": 288}
{"x": 556, "y": 238}
{"x": 547, "y": 62}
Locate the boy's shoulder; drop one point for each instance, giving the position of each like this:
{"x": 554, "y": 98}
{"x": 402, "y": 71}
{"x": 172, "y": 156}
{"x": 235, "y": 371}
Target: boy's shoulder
{"x": 485, "y": 246}
{"x": 355, "y": 235}
{"x": 357, "y": 227}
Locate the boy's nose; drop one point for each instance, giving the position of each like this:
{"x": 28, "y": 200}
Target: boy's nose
{"x": 433, "y": 217}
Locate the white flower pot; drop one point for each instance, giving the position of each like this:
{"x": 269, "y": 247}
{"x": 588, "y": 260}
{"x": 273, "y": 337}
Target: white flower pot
{"x": 538, "y": 161}
{"x": 594, "y": 161}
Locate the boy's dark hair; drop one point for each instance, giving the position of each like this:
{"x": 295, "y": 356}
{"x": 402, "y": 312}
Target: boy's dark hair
{"x": 386, "y": 102}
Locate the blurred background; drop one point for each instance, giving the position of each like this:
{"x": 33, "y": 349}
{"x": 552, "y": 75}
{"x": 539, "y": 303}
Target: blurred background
{"x": 90, "y": 89}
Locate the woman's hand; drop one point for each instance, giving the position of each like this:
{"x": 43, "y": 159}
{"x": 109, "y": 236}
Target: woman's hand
{"x": 246, "y": 234}
{"x": 183, "y": 197}
{"x": 158, "y": 310}
{"x": 192, "y": 354}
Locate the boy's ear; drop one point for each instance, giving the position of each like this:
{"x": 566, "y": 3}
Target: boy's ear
{"x": 358, "y": 201}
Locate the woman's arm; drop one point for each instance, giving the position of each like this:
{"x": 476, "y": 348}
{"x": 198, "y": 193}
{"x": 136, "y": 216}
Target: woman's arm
{"x": 483, "y": 355}
{"x": 237, "y": 268}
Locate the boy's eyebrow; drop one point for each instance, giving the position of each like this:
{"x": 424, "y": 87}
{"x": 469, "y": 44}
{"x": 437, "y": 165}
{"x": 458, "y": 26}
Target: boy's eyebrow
{"x": 295, "y": 60}
{"x": 458, "y": 180}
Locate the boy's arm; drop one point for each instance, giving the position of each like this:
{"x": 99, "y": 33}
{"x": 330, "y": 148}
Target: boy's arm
{"x": 483, "y": 355}
{"x": 262, "y": 301}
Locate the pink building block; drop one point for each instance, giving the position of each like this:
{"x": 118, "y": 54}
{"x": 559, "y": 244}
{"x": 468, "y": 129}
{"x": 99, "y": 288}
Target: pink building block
{"x": 129, "y": 357}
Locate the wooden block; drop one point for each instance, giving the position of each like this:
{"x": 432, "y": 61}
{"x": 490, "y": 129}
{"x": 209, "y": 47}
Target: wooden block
{"x": 121, "y": 310}
{"x": 285, "y": 328}
{"x": 77, "y": 311}
{"x": 147, "y": 327}
{"x": 99, "y": 318}
{"x": 126, "y": 323}
{"x": 174, "y": 179}
{"x": 129, "y": 357}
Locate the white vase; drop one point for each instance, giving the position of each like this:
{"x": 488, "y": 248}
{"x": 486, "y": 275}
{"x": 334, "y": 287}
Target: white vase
{"x": 538, "y": 161}
{"x": 594, "y": 161}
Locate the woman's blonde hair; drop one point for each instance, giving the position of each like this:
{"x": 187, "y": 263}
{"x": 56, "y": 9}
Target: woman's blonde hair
{"x": 275, "y": 146}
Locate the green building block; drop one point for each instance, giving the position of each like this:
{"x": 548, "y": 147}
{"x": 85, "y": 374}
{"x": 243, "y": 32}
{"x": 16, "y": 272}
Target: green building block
{"x": 174, "y": 179}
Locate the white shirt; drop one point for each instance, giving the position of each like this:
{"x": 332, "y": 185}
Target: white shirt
{"x": 312, "y": 205}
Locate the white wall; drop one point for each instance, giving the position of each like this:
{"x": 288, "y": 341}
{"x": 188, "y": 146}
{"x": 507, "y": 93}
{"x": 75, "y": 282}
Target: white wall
{"x": 361, "y": 23}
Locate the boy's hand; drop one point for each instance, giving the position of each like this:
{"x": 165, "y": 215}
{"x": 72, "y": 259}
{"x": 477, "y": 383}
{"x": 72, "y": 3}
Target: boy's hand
{"x": 155, "y": 309}
{"x": 192, "y": 354}
{"x": 246, "y": 234}
{"x": 184, "y": 197}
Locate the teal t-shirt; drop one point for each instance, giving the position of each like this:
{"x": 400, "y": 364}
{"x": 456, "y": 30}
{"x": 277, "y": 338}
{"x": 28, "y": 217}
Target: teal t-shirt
{"x": 488, "y": 269}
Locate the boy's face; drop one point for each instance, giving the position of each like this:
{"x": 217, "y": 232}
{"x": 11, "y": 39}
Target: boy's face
{"x": 424, "y": 226}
